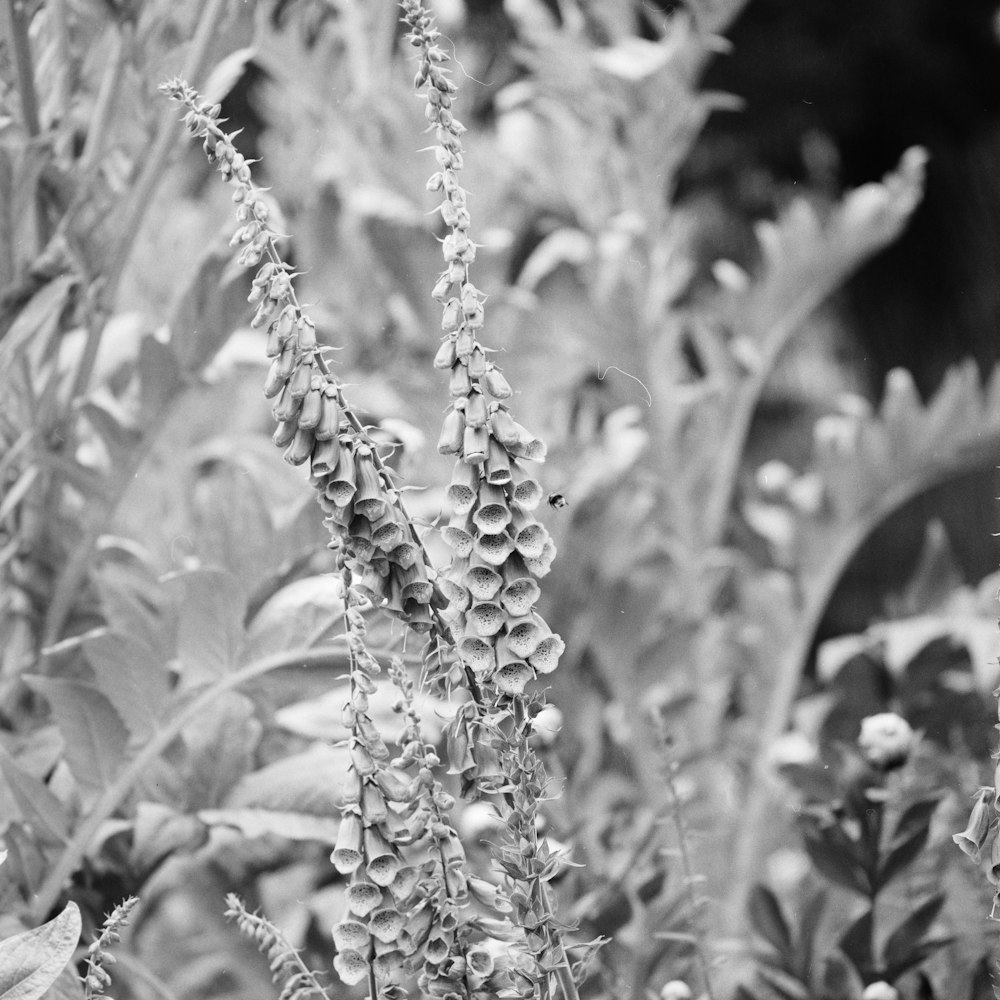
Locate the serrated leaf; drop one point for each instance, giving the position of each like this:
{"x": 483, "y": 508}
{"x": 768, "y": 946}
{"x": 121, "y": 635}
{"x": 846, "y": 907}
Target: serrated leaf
{"x": 265, "y": 822}
{"x": 907, "y": 945}
{"x": 129, "y": 675}
{"x": 31, "y": 962}
{"x": 767, "y": 919}
{"x": 38, "y": 806}
{"x": 210, "y": 623}
{"x": 306, "y": 782}
{"x": 96, "y": 738}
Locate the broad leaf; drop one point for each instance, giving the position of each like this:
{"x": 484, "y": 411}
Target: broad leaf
{"x": 856, "y": 944}
{"x": 160, "y": 830}
{"x": 907, "y": 946}
{"x": 264, "y": 822}
{"x": 221, "y": 746}
{"x": 767, "y": 919}
{"x": 38, "y": 806}
{"x": 901, "y": 853}
{"x": 31, "y": 962}
{"x": 130, "y": 676}
{"x": 95, "y": 736}
{"x": 833, "y": 854}
{"x": 306, "y": 782}
{"x": 210, "y": 626}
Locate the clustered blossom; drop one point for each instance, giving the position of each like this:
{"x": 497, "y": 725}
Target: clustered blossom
{"x": 499, "y": 549}
{"x": 408, "y": 892}
{"x": 315, "y": 427}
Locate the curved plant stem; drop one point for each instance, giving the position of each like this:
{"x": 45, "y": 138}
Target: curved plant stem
{"x": 817, "y": 596}
{"x": 113, "y": 796}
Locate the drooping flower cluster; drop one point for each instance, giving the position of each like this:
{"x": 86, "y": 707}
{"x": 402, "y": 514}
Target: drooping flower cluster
{"x": 498, "y": 547}
{"x": 314, "y": 424}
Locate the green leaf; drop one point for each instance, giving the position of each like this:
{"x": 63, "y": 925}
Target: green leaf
{"x": 809, "y": 917}
{"x": 160, "y": 830}
{"x": 900, "y": 855}
{"x": 31, "y": 962}
{"x": 907, "y": 945}
{"x": 265, "y": 822}
{"x": 856, "y": 944}
{"x": 95, "y": 736}
{"x": 305, "y": 782}
{"x": 35, "y": 324}
{"x": 130, "y": 676}
{"x": 915, "y": 817}
{"x": 221, "y": 747}
{"x": 210, "y": 625}
{"x": 38, "y": 806}
{"x": 767, "y": 919}
{"x": 833, "y": 854}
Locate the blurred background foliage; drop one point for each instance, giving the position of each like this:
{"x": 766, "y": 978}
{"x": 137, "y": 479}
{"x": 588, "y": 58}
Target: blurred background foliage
{"x": 741, "y": 260}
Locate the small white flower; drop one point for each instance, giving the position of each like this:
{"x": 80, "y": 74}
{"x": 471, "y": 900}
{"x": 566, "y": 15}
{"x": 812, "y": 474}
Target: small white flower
{"x": 886, "y": 740}
{"x": 880, "y": 991}
{"x": 676, "y": 989}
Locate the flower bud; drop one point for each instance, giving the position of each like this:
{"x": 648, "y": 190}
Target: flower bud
{"x": 973, "y": 838}
{"x": 347, "y": 854}
{"x": 878, "y": 991}
{"x": 886, "y": 740}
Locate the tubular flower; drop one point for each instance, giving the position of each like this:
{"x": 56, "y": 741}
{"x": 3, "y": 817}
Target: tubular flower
{"x": 315, "y": 427}
{"x": 491, "y": 531}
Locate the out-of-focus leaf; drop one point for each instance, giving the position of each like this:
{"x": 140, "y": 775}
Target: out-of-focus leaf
{"x": 160, "y": 379}
{"x": 856, "y": 944}
{"x": 808, "y": 922}
{"x": 31, "y": 962}
{"x": 908, "y": 945}
{"x": 264, "y": 822}
{"x": 160, "y": 830}
{"x": 908, "y": 839}
{"x": 767, "y": 919}
{"x": 226, "y": 74}
{"x": 296, "y": 612}
{"x": 221, "y": 747}
{"x": 834, "y": 855}
{"x": 784, "y": 985}
{"x": 95, "y": 735}
{"x": 37, "y": 804}
{"x": 203, "y": 317}
{"x": 132, "y": 678}
{"x": 35, "y": 324}
{"x": 306, "y": 782}
{"x": 210, "y": 625}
